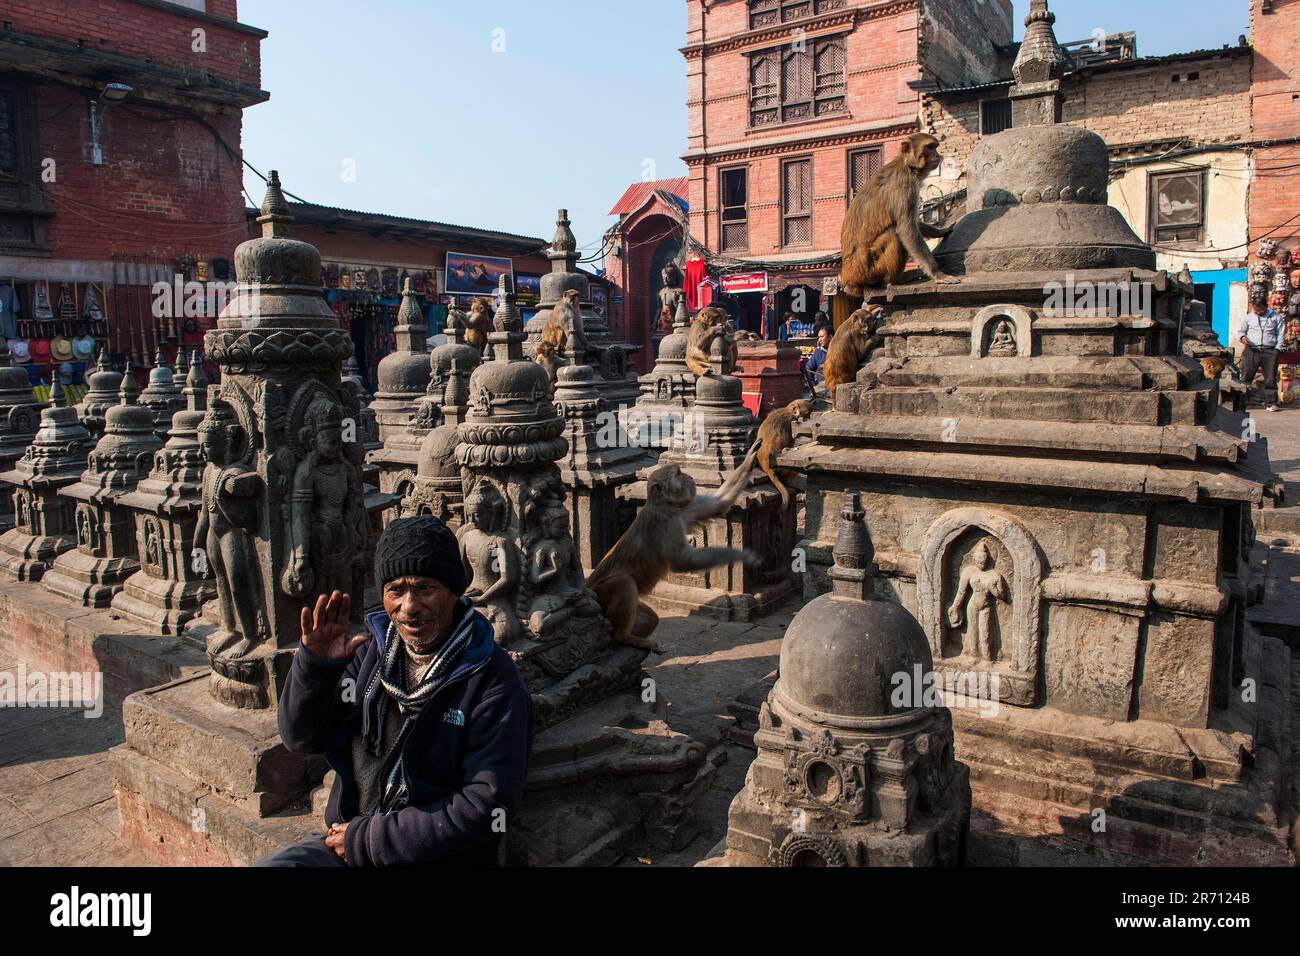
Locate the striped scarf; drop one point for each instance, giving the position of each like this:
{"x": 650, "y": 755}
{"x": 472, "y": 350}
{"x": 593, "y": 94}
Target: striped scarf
{"x": 393, "y": 677}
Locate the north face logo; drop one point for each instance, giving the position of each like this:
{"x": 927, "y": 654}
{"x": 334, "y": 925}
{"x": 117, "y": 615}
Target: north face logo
{"x": 454, "y": 716}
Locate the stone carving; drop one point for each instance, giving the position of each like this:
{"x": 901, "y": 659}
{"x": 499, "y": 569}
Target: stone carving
{"x": 847, "y": 772}
{"x": 54, "y": 460}
{"x": 226, "y": 526}
{"x": 672, "y": 295}
{"x": 436, "y": 488}
{"x": 107, "y": 551}
{"x": 401, "y": 404}
{"x": 979, "y": 588}
{"x": 1005, "y": 331}
{"x": 492, "y": 561}
{"x": 1003, "y": 343}
{"x": 161, "y": 395}
{"x": 102, "y": 387}
{"x": 555, "y": 575}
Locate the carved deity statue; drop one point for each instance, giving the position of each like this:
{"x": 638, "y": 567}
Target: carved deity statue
{"x": 985, "y": 585}
{"x": 328, "y": 519}
{"x": 1003, "y": 343}
{"x": 671, "y": 293}
{"x": 555, "y": 574}
{"x": 489, "y": 557}
{"x": 226, "y": 525}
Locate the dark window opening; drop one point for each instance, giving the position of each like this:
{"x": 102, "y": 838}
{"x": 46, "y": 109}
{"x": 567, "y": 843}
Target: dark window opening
{"x": 733, "y": 190}
{"x": 863, "y": 164}
{"x": 995, "y": 116}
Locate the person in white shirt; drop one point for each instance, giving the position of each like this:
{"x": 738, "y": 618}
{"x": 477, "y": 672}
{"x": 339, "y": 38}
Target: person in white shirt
{"x": 1261, "y": 336}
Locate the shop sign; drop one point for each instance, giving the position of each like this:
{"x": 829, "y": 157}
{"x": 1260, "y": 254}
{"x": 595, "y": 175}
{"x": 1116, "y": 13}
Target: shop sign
{"x": 745, "y": 282}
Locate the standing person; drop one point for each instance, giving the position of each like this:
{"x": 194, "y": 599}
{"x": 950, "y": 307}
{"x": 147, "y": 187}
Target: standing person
{"x": 425, "y": 721}
{"x": 1261, "y": 336}
{"x": 815, "y": 367}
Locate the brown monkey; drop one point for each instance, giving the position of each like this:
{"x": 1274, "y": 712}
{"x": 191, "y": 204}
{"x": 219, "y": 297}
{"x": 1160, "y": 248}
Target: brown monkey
{"x": 564, "y": 325}
{"x": 882, "y": 227}
{"x": 478, "y": 324}
{"x": 707, "y": 326}
{"x": 547, "y": 358}
{"x": 657, "y": 544}
{"x": 775, "y": 435}
{"x": 850, "y": 347}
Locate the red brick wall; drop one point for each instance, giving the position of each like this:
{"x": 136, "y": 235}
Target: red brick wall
{"x": 139, "y": 30}
{"x": 1275, "y": 114}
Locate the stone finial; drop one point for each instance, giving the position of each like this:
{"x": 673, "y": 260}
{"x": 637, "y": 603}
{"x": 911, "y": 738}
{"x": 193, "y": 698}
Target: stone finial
{"x": 565, "y": 243}
{"x": 275, "y": 216}
{"x": 130, "y": 391}
{"x": 854, "y": 573}
{"x": 56, "y": 390}
{"x": 683, "y": 317}
{"x": 196, "y": 385}
{"x": 182, "y": 364}
{"x": 507, "y": 318}
{"x": 455, "y": 397}
{"x": 411, "y": 332}
{"x": 1041, "y": 57}
{"x": 101, "y": 365}
{"x": 158, "y": 360}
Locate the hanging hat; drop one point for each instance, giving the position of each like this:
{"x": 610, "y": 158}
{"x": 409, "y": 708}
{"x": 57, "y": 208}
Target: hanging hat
{"x": 40, "y": 351}
{"x": 66, "y": 373}
{"x": 18, "y": 350}
{"x": 83, "y": 348}
{"x": 61, "y": 349}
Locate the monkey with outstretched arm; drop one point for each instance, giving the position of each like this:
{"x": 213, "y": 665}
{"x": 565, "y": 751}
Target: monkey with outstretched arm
{"x": 657, "y": 545}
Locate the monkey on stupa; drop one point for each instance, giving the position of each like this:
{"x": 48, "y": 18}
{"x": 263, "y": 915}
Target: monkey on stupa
{"x": 851, "y": 346}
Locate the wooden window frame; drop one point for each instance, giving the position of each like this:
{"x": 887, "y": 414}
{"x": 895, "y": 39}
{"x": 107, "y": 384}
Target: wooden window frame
{"x": 994, "y": 99}
{"x": 849, "y": 191}
{"x": 810, "y": 214}
{"x": 723, "y": 222}
{"x": 822, "y": 94}
{"x": 1154, "y": 236}
{"x": 21, "y": 197}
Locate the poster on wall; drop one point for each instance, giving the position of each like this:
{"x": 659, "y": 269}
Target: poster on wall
{"x": 529, "y": 288}
{"x": 475, "y": 275}
{"x": 600, "y": 301}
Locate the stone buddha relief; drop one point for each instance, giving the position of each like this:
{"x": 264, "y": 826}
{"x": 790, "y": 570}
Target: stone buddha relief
{"x": 977, "y": 595}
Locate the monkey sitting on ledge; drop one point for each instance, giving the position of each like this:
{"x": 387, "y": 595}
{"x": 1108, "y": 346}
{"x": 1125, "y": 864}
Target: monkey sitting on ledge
{"x": 851, "y": 346}
{"x": 883, "y": 226}
{"x": 657, "y": 544}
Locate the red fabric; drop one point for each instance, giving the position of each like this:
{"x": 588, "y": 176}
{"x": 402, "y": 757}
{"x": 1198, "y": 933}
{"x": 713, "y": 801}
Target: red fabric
{"x": 696, "y": 272}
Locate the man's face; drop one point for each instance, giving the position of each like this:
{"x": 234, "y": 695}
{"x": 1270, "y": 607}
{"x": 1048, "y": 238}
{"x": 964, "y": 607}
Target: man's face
{"x": 823, "y": 337}
{"x": 422, "y": 610}
{"x": 1259, "y": 306}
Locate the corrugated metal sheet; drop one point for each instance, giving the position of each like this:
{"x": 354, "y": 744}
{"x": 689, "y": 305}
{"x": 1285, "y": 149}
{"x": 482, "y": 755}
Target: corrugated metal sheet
{"x": 638, "y": 193}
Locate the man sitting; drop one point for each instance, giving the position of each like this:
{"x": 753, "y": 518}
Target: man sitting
{"x": 814, "y": 369}
{"x": 426, "y": 722}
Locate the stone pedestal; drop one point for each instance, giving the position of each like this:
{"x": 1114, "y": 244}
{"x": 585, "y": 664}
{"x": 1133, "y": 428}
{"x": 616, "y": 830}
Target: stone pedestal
{"x": 770, "y": 376}
{"x": 174, "y": 579}
{"x": 658, "y": 420}
{"x": 848, "y": 771}
{"x": 44, "y": 527}
{"x": 106, "y": 553}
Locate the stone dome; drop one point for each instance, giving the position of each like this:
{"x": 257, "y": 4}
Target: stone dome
{"x": 840, "y": 655}
{"x": 12, "y": 379}
{"x": 517, "y": 379}
{"x": 1037, "y": 200}
{"x": 104, "y": 380}
{"x": 442, "y": 357}
{"x": 672, "y": 347}
{"x": 162, "y": 377}
{"x": 438, "y": 453}
{"x": 404, "y": 372}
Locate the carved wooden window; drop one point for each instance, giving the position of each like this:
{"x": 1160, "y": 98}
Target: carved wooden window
{"x": 995, "y": 116}
{"x": 766, "y": 13}
{"x": 733, "y": 192}
{"x": 1177, "y": 206}
{"x": 8, "y": 134}
{"x": 863, "y": 164}
{"x": 796, "y": 203}
{"x": 798, "y": 83}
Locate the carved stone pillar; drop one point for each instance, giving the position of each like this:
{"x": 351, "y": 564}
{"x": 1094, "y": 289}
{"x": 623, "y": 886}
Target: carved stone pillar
{"x": 403, "y": 381}
{"x": 283, "y": 516}
{"x": 43, "y": 518}
{"x": 174, "y": 580}
{"x": 106, "y": 554}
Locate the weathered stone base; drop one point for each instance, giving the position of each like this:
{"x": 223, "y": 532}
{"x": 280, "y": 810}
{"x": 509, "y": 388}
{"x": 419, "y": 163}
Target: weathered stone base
{"x": 613, "y": 780}
{"x": 44, "y": 629}
{"x": 27, "y": 558}
{"x": 1051, "y": 788}
{"x": 166, "y": 606}
{"x": 88, "y": 581}
{"x": 761, "y": 834}
{"x": 199, "y": 782}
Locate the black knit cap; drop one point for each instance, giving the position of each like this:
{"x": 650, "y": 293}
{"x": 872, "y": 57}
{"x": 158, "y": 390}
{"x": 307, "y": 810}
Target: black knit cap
{"x": 421, "y": 546}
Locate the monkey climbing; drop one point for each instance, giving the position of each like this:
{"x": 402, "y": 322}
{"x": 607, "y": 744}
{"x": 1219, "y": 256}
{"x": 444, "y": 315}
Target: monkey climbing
{"x": 851, "y": 346}
{"x": 775, "y": 435}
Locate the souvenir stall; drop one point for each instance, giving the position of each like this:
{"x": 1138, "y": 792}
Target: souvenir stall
{"x": 1276, "y": 270}
{"x": 366, "y": 299}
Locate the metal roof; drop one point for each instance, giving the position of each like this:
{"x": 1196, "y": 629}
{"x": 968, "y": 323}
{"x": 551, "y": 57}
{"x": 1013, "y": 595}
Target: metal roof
{"x": 638, "y": 193}
{"x": 314, "y": 214}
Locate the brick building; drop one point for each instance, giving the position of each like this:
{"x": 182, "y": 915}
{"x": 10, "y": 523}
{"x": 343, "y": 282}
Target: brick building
{"x": 1275, "y": 119}
{"x": 120, "y": 127}
{"x": 793, "y": 104}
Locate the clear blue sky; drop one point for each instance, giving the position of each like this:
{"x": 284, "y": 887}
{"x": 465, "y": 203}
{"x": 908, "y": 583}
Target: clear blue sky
{"x": 495, "y": 113}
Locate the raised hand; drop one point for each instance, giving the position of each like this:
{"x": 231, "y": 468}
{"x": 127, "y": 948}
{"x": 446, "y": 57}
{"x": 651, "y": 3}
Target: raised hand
{"x": 325, "y": 628}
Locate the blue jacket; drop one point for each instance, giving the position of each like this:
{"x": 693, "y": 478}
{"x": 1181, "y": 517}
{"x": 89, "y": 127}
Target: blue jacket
{"x": 464, "y": 760}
